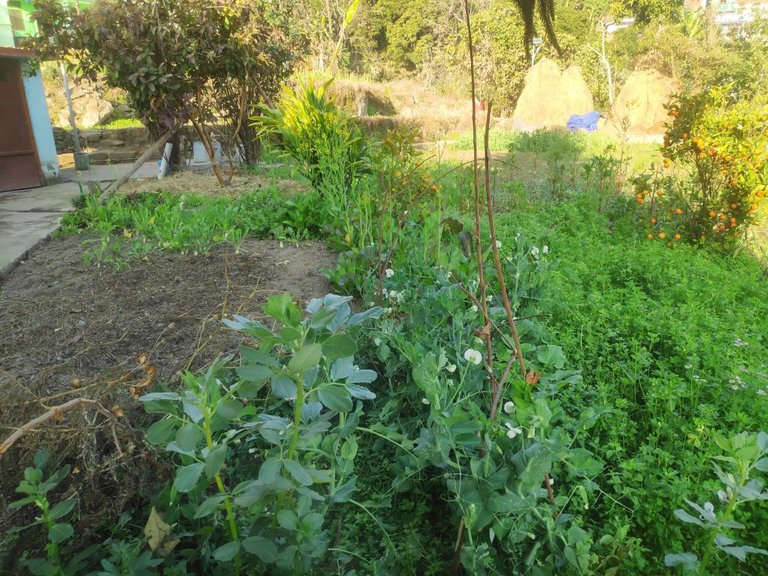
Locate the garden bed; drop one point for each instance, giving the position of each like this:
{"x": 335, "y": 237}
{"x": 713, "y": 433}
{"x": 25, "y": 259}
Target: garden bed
{"x": 67, "y": 330}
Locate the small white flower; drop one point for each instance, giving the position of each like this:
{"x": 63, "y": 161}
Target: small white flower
{"x": 371, "y": 304}
{"x": 377, "y": 341}
{"x": 545, "y": 249}
{"x": 535, "y": 251}
{"x": 688, "y": 366}
{"x": 513, "y": 431}
{"x": 393, "y": 294}
{"x": 473, "y": 308}
{"x": 498, "y": 244}
{"x": 389, "y": 272}
{"x": 762, "y": 392}
{"x": 551, "y": 481}
{"x": 488, "y": 298}
{"x": 451, "y": 368}
{"x": 734, "y": 387}
{"x": 509, "y": 406}
{"x": 473, "y": 356}
{"x": 479, "y": 340}
{"x": 425, "y": 401}
{"x": 387, "y": 310}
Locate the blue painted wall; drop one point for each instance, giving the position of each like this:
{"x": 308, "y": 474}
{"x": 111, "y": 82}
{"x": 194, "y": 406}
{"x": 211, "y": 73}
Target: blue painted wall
{"x": 41, "y": 125}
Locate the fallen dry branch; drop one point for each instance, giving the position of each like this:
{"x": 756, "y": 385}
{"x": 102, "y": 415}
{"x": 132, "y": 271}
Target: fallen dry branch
{"x": 55, "y": 413}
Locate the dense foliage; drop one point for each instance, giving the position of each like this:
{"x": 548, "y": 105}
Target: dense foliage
{"x": 335, "y": 442}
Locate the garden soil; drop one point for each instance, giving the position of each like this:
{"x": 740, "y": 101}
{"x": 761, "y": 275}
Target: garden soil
{"x": 69, "y": 331}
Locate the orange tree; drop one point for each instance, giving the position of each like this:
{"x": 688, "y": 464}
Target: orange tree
{"x": 721, "y": 144}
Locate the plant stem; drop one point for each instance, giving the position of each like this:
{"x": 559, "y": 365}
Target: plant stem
{"x": 296, "y": 416}
{"x": 223, "y": 491}
{"x": 724, "y": 518}
{"x": 53, "y": 548}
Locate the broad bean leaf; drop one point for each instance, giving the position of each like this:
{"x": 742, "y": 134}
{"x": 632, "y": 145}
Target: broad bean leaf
{"x": 335, "y": 397}
{"x": 264, "y": 549}
{"x": 305, "y": 359}
{"x": 187, "y": 477}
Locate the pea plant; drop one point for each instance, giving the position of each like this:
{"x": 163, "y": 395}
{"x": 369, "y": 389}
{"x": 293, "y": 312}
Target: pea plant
{"x": 287, "y": 414}
{"x": 744, "y": 454}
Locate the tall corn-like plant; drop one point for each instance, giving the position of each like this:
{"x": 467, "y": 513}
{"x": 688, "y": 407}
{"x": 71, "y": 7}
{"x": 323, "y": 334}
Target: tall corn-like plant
{"x": 312, "y": 130}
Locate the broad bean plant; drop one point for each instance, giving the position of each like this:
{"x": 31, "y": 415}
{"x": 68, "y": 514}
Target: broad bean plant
{"x": 292, "y": 407}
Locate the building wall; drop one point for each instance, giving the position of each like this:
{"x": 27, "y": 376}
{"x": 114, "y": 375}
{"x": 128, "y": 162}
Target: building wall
{"x": 6, "y": 31}
{"x": 41, "y": 125}
{"x": 36, "y": 103}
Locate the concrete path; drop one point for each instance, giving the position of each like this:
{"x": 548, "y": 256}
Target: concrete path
{"x": 28, "y": 217}
{"x": 109, "y": 172}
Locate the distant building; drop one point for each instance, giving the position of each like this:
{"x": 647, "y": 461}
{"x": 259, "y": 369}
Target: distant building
{"x": 731, "y": 14}
{"x": 614, "y": 25}
{"x": 27, "y": 149}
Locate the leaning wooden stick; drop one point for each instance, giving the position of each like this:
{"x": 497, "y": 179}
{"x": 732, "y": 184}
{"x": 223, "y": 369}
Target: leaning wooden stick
{"x": 56, "y": 412}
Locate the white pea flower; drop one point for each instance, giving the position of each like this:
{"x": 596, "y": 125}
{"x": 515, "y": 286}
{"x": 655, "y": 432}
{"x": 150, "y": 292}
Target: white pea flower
{"x": 488, "y": 298}
{"x": 498, "y": 244}
{"x": 545, "y": 249}
{"x": 479, "y": 341}
{"x": 473, "y": 356}
{"x": 762, "y": 392}
{"x": 551, "y": 481}
{"x": 425, "y": 401}
{"x": 389, "y": 272}
{"x": 535, "y": 251}
{"x": 377, "y": 341}
{"x": 474, "y": 308}
{"x": 451, "y": 368}
{"x": 513, "y": 431}
{"x": 509, "y": 407}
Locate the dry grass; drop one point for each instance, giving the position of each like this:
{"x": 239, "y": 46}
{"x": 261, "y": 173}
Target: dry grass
{"x": 205, "y": 184}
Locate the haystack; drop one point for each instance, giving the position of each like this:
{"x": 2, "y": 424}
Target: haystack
{"x": 640, "y": 103}
{"x": 550, "y": 97}
{"x": 576, "y": 92}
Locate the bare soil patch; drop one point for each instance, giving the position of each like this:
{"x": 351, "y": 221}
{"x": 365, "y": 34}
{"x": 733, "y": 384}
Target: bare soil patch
{"x": 68, "y": 331}
{"x": 205, "y": 184}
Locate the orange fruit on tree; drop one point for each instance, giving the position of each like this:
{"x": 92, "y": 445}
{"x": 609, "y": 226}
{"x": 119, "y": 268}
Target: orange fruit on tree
{"x": 712, "y": 214}
{"x": 653, "y": 221}
{"x": 721, "y": 216}
{"x": 677, "y": 236}
{"x": 650, "y": 236}
{"x": 678, "y": 211}
{"x": 662, "y": 235}
{"x": 734, "y": 205}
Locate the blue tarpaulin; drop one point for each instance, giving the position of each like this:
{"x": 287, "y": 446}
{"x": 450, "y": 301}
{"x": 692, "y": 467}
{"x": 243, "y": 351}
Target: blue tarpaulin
{"x": 587, "y": 122}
